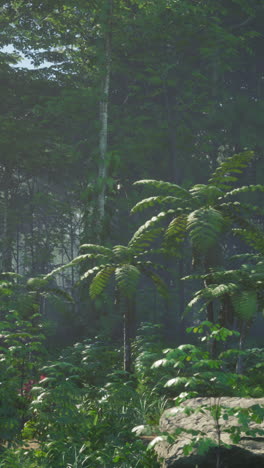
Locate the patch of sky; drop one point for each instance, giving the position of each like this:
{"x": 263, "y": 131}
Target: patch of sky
{"x": 24, "y": 62}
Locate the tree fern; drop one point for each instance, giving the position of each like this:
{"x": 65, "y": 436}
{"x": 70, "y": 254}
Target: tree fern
{"x": 209, "y": 193}
{"x": 177, "y": 229}
{"x": 253, "y": 237}
{"x": 245, "y": 189}
{"x": 164, "y": 187}
{"x": 95, "y": 248}
{"x": 147, "y": 233}
{"x": 159, "y": 201}
{"x": 243, "y": 286}
{"x": 224, "y": 174}
{"x": 127, "y": 279}
{"x": 245, "y": 304}
{"x": 94, "y": 270}
{"x": 74, "y": 262}
{"x": 100, "y": 281}
{"x": 205, "y": 226}
{"x": 123, "y": 253}
{"x": 161, "y": 286}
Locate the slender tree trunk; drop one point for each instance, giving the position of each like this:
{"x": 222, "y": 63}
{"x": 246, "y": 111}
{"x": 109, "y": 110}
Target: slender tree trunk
{"x": 176, "y": 169}
{"x": 103, "y": 137}
{"x": 7, "y": 227}
{"x": 72, "y": 251}
{"x": 128, "y": 316}
{"x": 18, "y": 251}
{"x": 243, "y": 332}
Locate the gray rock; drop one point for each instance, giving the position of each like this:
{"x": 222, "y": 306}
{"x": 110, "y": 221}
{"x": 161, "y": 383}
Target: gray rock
{"x": 247, "y": 453}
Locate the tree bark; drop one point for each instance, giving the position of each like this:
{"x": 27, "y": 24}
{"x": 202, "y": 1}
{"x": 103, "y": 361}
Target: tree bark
{"x": 128, "y": 316}
{"x": 7, "y": 230}
{"x": 103, "y": 136}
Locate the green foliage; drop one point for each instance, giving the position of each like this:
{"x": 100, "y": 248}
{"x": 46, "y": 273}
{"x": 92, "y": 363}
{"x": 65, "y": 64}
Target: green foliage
{"x": 81, "y": 414}
{"x": 196, "y": 371}
{"x": 20, "y": 356}
{"x": 198, "y": 375}
{"x": 243, "y": 286}
{"x": 202, "y": 213}
{"x": 205, "y": 227}
{"x": 127, "y": 278}
{"x": 235, "y": 164}
{"x": 100, "y": 281}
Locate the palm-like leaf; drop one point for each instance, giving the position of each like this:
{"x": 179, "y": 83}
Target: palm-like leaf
{"x": 245, "y": 189}
{"x": 245, "y": 304}
{"x": 100, "y": 281}
{"x": 123, "y": 254}
{"x": 235, "y": 164}
{"x": 177, "y": 229}
{"x": 147, "y": 233}
{"x": 74, "y": 262}
{"x": 208, "y": 216}
{"x": 97, "y": 249}
{"x": 159, "y": 201}
{"x": 242, "y": 286}
{"x": 205, "y": 226}
{"x": 208, "y": 193}
{"x": 127, "y": 278}
{"x": 161, "y": 286}
{"x": 165, "y": 187}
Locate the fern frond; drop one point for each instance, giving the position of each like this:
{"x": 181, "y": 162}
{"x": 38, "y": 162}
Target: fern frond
{"x": 232, "y": 165}
{"x": 148, "y": 264}
{"x": 246, "y": 256}
{"x": 96, "y": 269}
{"x": 160, "y": 284}
{"x": 74, "y": 262}
{"x": 159, "y": 201}
{"x": 123, "y": 253}
{"x": 240, "y": 208}
{"x": 208, "y": 192}
{"x": 10, "y": 275}
{"x": 245, "y": 304}
{"x": 97, "y": 249}
{"x": 164, "y": 187}
{"x": 205, "y": 226}
{"x": 59, "y": 293}
{"x": 193, "y": 277}
{"x": 145, "y": 235}
{"x": 215, "y": 291}
{"x": 209, "y": 294}
{"x": 100, "y": 281}
{"x": 127, "y": 278}
{"x": 253, "y": 237}
{"x": 245, "y": 189}
{"x": 177, "y": 229}
{"x": 197, "y": 298}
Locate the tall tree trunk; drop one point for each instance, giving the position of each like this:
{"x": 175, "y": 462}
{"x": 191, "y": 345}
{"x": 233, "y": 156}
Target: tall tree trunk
{"x": 176, "y": 169}
{"x": 103, "y": 137}
{"x": 32, "y": 246}
{"x": 7, "y": 230}
{"x": 245, "y": 325}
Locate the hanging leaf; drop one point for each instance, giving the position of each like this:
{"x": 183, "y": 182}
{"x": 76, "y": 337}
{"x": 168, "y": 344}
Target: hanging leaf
{"x": 100, "y": 281}
{"x": 205, "y": 226}
{"x": 245, "y": 304}
{"x": 127, "y": 278}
